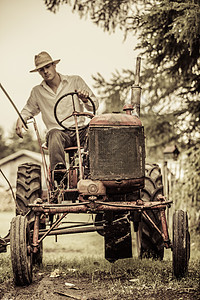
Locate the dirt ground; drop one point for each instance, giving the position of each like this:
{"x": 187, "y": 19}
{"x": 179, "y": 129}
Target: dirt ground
{"x": 46, "y": 287}
{"x": 58, "y": 285}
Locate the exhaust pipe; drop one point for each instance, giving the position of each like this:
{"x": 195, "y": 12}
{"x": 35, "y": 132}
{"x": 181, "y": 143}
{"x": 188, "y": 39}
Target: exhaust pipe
{"x": 136, "y": 89}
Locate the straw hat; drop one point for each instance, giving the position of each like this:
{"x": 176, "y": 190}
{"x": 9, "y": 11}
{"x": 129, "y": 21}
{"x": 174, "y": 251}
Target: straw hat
{"x": 43, "y": 59}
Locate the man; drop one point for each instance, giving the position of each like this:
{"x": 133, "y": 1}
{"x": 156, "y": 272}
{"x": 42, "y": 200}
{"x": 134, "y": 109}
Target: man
{"x": 43, "y": 98}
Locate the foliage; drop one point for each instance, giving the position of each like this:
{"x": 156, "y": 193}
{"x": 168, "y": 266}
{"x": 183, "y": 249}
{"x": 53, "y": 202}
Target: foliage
{"x": 28, "y": 142}
{"x": 13, "y": 143}
{"x": 170, "y": 39}
{"x": 107, "y": 14}
{"x": 4, "y": 150}
{"x": 189, "y": 198}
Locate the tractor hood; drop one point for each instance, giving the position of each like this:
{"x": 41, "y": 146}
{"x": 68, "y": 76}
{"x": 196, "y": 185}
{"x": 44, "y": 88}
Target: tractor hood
{"x": 115, "y": 119}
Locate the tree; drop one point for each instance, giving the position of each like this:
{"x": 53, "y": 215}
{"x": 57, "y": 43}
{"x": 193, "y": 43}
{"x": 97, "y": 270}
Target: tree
{"x": 169, "y": 39}
{"x": 3, "y": 146}
{"x": 28, "y": 142}
{"x": 107, "y": 14}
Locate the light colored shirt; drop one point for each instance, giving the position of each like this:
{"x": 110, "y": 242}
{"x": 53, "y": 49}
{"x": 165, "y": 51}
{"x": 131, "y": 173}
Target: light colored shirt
{"x": 43, "y": 99}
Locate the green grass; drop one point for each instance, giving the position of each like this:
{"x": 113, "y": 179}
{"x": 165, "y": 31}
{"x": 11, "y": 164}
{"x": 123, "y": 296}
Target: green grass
{"x": 122, "y": 279}
{"x": 5, "y": 267}
{"x": 81, "y": 256}
{"x": 125, "y": 277}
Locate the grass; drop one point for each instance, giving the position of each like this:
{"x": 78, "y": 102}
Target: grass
{"x": 125, "y": 277}
{"x": 81, "y": 257}
{"x": 5, "y": 267}
{"x": 121, "y": 278}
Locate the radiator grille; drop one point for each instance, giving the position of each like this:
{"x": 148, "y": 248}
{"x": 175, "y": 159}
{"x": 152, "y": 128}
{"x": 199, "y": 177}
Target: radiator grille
{"x": 116, "y": 152}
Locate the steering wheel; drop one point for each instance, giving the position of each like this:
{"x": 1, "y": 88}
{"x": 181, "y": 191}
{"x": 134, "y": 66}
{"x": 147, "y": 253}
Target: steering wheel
{"x": 74, "y": 113}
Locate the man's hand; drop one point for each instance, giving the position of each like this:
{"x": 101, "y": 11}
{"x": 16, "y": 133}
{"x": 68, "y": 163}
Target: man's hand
{"x": 19, "y": 126}
{"x": 83, "y": 95}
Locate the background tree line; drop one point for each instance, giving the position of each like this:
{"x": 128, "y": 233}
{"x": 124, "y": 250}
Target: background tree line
{"x": 12, "y": 143}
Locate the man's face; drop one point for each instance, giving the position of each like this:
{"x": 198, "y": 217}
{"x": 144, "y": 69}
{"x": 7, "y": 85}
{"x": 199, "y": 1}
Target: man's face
{"x": 48, "y": 72}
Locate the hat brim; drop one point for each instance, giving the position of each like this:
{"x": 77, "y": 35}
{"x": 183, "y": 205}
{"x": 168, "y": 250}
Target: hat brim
{"x": 46, "y": 63}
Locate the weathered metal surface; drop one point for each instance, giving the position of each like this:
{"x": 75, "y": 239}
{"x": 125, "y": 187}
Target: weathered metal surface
{"x": 136, "y": 89}
{"x": 36, "y": 233}
{"x": 128, "y": 185}
{"x": 60, "y": 231}
{"x": 128, "y": 108}
{"x": 96, "y": 206}
{"x": 164, "y": 228}
{"x": 115, "y": 119}
{"x": 88, "y": 187}
{"x": 116, "y": 153}
{"x": 52, "y": 227}
{"x": 73, "y": 174}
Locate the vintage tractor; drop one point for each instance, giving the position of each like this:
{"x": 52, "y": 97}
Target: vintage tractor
{"x": 107, "y": 178}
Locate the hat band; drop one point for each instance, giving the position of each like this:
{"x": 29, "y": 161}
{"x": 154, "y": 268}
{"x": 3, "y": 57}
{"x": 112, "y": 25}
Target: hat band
{"x": 42, "y": 64}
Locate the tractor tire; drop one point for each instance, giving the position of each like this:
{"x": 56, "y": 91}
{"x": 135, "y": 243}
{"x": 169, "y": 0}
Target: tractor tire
{"x": 149, "y": 241}
{"x": 181, "y": 243}
{"x": 21, "y": 256}
{"x": 28, "y": 188}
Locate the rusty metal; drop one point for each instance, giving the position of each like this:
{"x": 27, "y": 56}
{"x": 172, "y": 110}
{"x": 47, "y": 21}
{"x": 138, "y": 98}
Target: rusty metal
{"x": 136, "y": 89}
{"x": 73, "y": 174}
{"x": 128, "y": 108}
{"x": 88, "y": 187}
{"x": 96, "y": 206}
{"x": 128, "y": 184}
{"x": 164, "y": 232}
{"x": 78, "y": 141}
{"x": 36, "y": 232}
{"x": 61, "y": 231}
{"x": 117, "y": 153}
{"x": 163, "y": 220}
{"x": 53, "y": 226}
{"x": 154, "y": 225}
{"x": 114, "y": 119}
{"x": 164, "y": 228}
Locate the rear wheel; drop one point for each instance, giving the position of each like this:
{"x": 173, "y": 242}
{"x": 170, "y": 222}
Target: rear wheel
{"x": 28, "y": 189}
{"x": 181, "y": 243}
{"x": 20, "y": 249}
{"x": 149, "y": 241}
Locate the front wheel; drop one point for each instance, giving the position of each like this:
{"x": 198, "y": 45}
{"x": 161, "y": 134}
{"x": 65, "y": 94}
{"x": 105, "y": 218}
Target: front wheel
{"x": 181, "y": 243}
{"x": 20, "y": 250}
